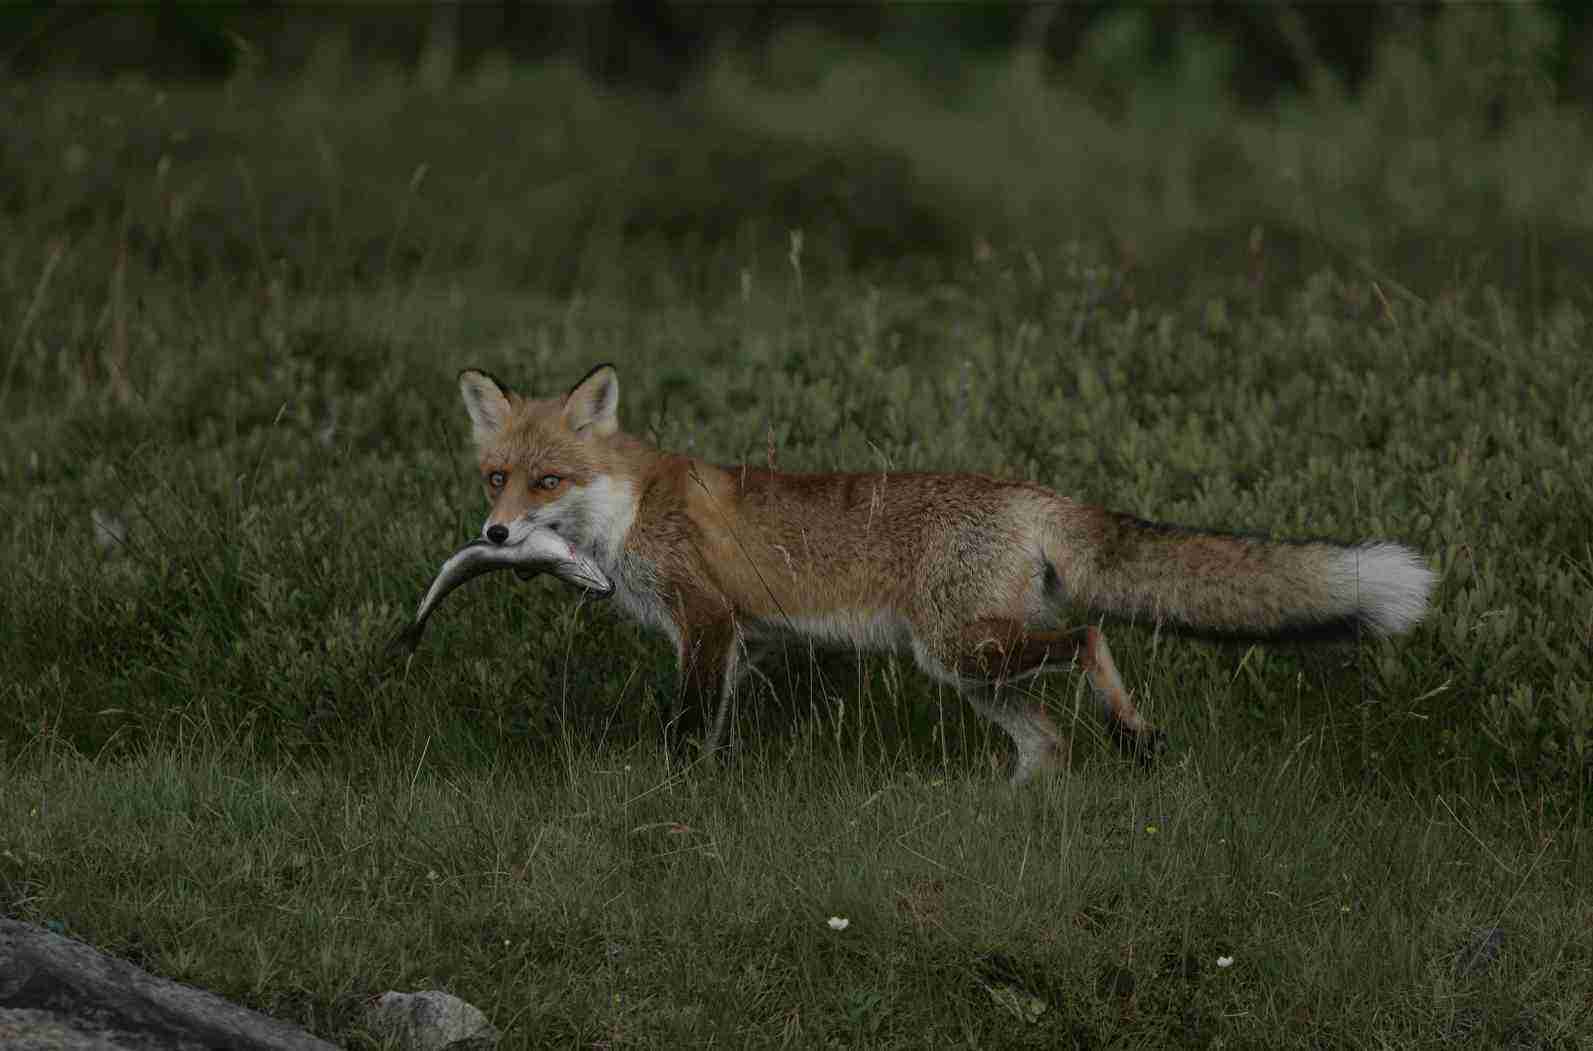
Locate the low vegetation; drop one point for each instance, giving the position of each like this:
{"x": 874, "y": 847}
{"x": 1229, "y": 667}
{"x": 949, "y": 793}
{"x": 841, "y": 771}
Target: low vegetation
{"x": 234, "y": 454}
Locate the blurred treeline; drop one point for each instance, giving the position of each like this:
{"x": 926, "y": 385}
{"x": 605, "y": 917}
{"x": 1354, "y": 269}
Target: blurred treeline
{"x": 659, "y": 45}
{"x": 676, "y": 147}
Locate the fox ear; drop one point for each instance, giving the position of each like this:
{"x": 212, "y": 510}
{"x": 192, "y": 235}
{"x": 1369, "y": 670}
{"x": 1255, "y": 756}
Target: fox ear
{"x": 487, "y": 403}
{"x": 592, "y": 406}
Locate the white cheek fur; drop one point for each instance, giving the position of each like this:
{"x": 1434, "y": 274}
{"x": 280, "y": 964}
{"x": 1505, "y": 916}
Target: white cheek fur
{"x": 596, "y": 517}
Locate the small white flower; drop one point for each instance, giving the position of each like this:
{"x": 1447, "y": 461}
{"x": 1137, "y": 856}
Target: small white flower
{"x": 839, "y": 923}
{"x": 1225, "y": 961}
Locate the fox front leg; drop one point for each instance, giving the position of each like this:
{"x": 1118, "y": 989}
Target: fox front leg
{"x": 710, "y": 660}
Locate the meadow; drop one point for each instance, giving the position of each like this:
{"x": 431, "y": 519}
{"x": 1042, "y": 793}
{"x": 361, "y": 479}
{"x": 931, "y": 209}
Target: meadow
{"x": 234, "y": 454}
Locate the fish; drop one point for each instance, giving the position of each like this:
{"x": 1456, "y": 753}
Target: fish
{"x": 543, "y": 551}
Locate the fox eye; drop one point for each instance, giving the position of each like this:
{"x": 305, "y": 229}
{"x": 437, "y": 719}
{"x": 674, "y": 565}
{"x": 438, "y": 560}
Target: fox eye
{"x": 549, "y": 481}
{"x": 497, "y": 479}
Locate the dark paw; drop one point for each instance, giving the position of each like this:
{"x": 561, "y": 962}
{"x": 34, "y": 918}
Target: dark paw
{"x": 1144, "y": 747}
{"x": 693, "y": 753}
{"x": 682, "y": 730}
{"x": 723, "y": 757}
{"x": 682, "y": 748}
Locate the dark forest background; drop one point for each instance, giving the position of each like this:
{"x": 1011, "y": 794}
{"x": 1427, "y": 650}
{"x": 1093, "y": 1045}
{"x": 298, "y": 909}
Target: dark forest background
{"x": 659, "y": 46}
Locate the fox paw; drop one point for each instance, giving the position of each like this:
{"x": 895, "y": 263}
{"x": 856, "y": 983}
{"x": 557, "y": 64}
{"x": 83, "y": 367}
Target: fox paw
{"x": 1144, "y": 746}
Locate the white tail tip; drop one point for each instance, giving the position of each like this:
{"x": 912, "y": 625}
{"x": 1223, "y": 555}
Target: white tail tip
{"x": 1389, "y": 585}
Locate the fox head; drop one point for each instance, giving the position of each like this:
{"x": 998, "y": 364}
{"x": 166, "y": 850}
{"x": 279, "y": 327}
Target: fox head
{"x": 546, "y": 463}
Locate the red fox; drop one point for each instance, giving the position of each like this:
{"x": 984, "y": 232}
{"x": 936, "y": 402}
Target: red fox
{"x": 973, "y": 575}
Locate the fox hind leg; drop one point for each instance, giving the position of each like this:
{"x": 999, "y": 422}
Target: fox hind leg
{"x": 1131, "y": 732}
{"x": 992, "y": 653}
{"x": 1039, "y": 746}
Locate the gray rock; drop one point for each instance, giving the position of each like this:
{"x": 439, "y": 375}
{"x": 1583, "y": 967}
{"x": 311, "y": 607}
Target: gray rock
{"x": 22, "y": 1029}
{"x": 57, "y": 993}
{"x": 432, "y": 1021}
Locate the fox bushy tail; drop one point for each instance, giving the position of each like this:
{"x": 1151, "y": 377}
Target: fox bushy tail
{"x": 1231, "y": 585}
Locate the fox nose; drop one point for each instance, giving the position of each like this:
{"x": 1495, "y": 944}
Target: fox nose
{"x": 498, "y": 533}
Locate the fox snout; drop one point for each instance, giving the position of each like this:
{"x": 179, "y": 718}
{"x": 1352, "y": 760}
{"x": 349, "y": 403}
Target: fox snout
{"x": 499, "y": 534}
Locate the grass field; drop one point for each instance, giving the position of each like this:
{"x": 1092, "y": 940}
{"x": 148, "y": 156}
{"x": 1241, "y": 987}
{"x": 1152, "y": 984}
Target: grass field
{"x": 234, "y": 454}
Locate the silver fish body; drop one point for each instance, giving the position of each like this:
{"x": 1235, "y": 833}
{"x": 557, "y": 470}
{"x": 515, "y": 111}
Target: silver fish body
{"x": 544, "y": 551}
